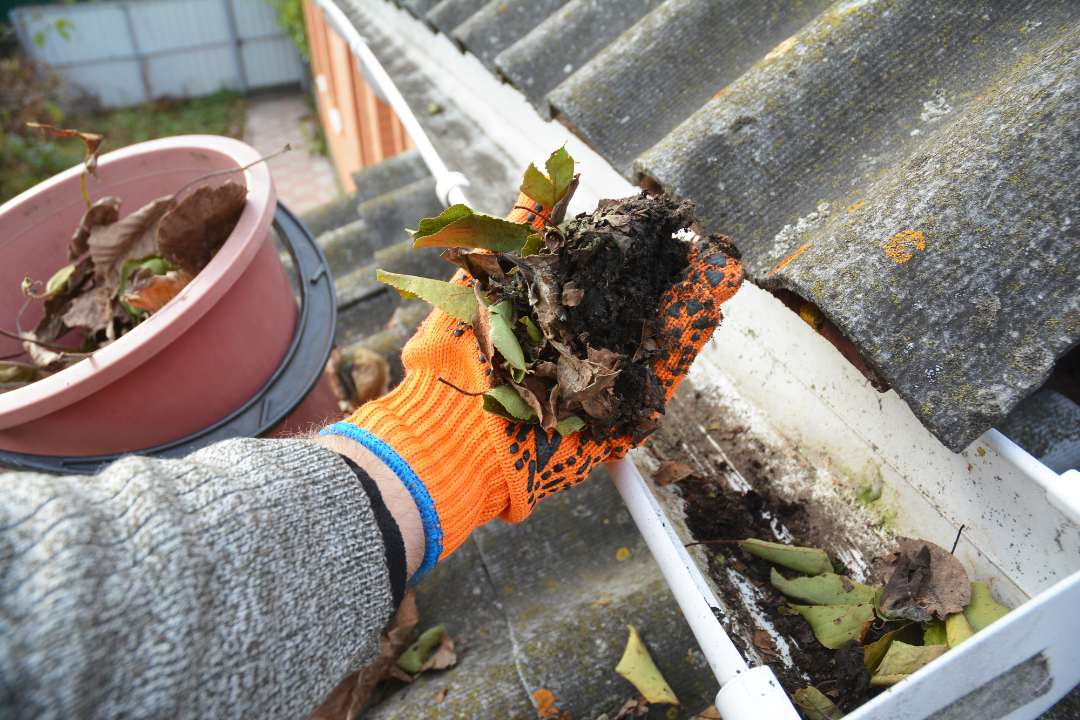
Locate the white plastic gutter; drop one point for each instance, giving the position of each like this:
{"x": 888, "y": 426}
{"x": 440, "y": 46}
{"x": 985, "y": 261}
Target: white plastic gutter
{"x": 448, "y": 184}
{"x": 744, "y": 692}
{"x": 1062, "y": 491}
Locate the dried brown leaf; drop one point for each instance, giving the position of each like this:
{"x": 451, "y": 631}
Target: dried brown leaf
{"x": 105, "y": 211}
{"x": 608, "y": 358}
{"x": 93, "y": 143}
{"x": 601, "y": 405}
{"x": 634, "y": 707}
{"x": 133, "y": 237}
{"x": 370, "y": 376}
{"x": 927, "y": 579}
{"x": 533, "y": 401}
{"x": 764, "y": 641}
{"x": 672, "y": 471}
{"x": 572, "y": 297}
{"x": 191, "y": 232}
{"x": 150, "y": 292}
{"x": 442, "y": 657}
{"x": 91, "y": 309}
{"x": 440, "y": 696}
{"x": 480, "y": 264}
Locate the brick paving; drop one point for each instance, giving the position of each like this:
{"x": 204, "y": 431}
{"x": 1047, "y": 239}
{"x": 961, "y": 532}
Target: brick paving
{"x": 304, "y": 181}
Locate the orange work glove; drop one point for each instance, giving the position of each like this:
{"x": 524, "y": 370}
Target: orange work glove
{"x": 465, "y": 466}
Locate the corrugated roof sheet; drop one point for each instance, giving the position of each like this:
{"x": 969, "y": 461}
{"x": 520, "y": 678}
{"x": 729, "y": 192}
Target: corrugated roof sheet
{"x": 908, "y": 167}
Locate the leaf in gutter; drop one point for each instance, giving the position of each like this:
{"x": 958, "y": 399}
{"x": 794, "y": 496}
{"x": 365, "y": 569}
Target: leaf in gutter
{"x": 412, "y": 660}
{"x": 815, "y": 705}
{"x": 505, "y": 402}
{"x": 671, "y": 471}
{"x": 827, "y": 589}
{"x": 927, "y": 580}
{"x": 875, "y": 651}
{"x": 133, "y": 237}
{"x": 535, "y": 336}
{"x": 533, "y": 244}
{"x": 982, "y": 610}
{"x": 934, "y": 633}
{"x": 569, "y": 426}
{"x": 457, "y": 301}
{"x": 638, "y": 667}
{"x": 560, "y": 167}
{"x": 810, "y": 561}
{"x": 835, "y": 625}
{"x": 957, "y": 629}
{"x": 537, "y": 187}
{"x": 901, "y": 660}
{"x": 458, "y": 226}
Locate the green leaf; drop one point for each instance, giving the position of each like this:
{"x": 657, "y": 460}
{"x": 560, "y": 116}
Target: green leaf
{"x": 458, "y": 226}
{"x": 457, "y": 301}
{"x": 934, "y": 633}
{"x": 957, "y": 629}
{"x": 505, "y": 402}
{"x": 17, "y": 373}
{"x": 533, "y": 244}
{"x": 827, "y": 589}
{"x": 982, "y": 610}
{"x": 412, "y": 660}
{"x": 502, "y": 337}
{"x": 810, "y": 561}
{"x": 39, "y": 39}
{"x": 638, "y": 667}
{"x": 875, "y": 651}
{"x": 560, "y": 167}
{"x": 156, "y": 263}
{"x": 535, "y": 336}
{"x": 815, "y": 705}
{"x": 569, "y": 426}
{"x": 537, "y": 187}
{"x": 62, "y": 26}
{"x": 834, "y": 625}
{"x": 901, "y": 660}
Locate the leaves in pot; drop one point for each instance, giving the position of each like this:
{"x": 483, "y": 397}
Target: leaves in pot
{"x": 200, "y": 224}
{"x": 460, "y": 226}
{"x": 810, "y": 561}
{"x": 457, "y": 301}
{"x": 150, "y": 292}
{"x": 133, "y": 237}
{"x": 105, "y": 211}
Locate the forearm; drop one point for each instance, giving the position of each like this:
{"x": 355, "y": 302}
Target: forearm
{"x": 248, "y": 577}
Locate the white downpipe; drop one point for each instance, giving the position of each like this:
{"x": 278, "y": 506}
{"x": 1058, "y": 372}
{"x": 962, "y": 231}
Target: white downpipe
{"x": 745, "y": 693}
{"x": 448, "y": 185}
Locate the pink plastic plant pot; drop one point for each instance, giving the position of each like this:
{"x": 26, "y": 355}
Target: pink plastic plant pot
{"x": 203, "y": 355}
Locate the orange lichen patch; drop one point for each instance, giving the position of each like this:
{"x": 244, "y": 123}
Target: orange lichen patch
{"x": 789, "y": 258}
{"x": 720, "y": 94}
{"x": 902, "y": 246}
{"x": 545, "y": 706}
{"x": 855, "y": 207}
{"x": 976, "y": 99}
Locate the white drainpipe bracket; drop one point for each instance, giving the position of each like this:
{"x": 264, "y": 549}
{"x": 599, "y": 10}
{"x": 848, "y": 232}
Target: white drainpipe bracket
{"x": 449, "y": 182}
{"x": 756, "y": 694}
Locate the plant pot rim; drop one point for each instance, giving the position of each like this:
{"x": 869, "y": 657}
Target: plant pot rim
{"x": 159, "y": 330}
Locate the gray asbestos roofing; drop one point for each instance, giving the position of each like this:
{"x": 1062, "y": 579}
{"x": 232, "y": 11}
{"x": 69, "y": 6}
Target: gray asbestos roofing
{"x": 910, "y": 167}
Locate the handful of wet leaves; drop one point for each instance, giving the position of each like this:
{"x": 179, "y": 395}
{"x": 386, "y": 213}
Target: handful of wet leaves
{"x": 881, "y": 635}
{"x": 119, "y": 272}
{"x": 564, "y": 318}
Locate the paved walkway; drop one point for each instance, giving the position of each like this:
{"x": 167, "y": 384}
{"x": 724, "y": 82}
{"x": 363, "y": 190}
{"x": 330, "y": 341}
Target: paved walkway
{"x": 303, "y": 181}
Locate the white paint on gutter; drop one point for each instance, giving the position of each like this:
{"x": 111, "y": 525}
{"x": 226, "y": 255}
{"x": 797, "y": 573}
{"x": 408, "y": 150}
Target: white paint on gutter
{"x": 752, "y": 599}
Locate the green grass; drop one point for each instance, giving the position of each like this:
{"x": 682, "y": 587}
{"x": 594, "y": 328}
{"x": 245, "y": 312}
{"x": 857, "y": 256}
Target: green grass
{"x": 27, "y": 158}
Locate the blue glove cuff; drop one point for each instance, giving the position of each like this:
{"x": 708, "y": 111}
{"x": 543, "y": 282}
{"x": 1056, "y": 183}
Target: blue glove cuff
{"x": 433, "y": 533}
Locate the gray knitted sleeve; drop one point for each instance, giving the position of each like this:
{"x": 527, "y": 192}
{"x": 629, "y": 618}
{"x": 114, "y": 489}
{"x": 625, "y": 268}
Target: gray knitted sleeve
{"x": 243, "y": 581}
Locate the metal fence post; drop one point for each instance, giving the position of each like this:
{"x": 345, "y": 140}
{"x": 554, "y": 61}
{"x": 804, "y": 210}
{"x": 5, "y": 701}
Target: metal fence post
{"x": 144, "y": 70}
{"x": 234, "y": 37}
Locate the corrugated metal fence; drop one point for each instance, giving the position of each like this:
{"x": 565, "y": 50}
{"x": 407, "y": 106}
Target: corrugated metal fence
{"x": 127, "y": 53}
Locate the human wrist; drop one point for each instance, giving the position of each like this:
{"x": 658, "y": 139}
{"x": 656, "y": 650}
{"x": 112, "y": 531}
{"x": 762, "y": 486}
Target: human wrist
{"x": 394, "y": 495}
